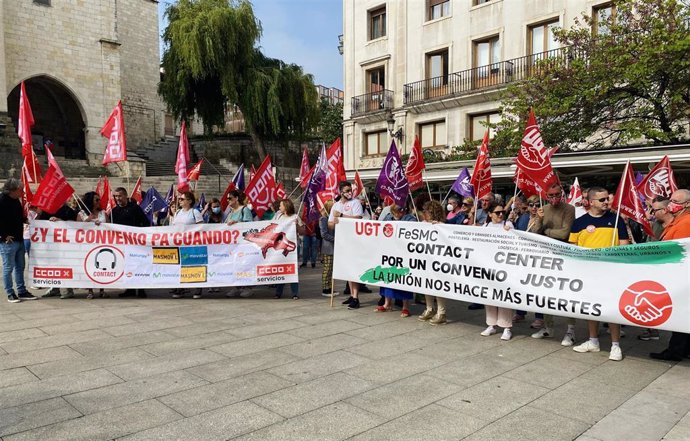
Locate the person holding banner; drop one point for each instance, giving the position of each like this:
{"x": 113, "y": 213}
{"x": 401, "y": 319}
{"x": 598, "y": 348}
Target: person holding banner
{"x": 327, "y": 244}
{"x": 679, "y": 228}
{"x": 391, "y": 294}
{"x": 432, "y": 212}
{"x": 92, "y": 213}
{"x": 481, "y": 215}
{"x": 64, "y": 213}
{"x": 347, "y": 207}
{"x": 287, "y": 208}
{"x": 127, "y": 212}
{"x": 496, "y": 316}
{"x": 237, "y": 212}
{"x": 213, "y": 213}
{"x": 599, "y": 228}
{"x": 186, "y": 215}
{"x": 458, "y": 210}
{"x": 11, "y": 243}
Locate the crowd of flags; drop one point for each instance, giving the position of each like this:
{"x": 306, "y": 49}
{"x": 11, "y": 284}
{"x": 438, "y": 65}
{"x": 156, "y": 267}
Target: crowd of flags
{"x": 534, "y": 175}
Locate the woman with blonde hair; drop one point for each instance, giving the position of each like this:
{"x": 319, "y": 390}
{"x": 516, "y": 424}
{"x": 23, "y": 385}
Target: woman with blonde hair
{"x": 432, "y": 212}
{"x": 287, "y": 209}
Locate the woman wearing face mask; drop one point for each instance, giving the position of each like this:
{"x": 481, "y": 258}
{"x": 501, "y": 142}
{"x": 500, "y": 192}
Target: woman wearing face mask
{"x": 496, "y": 316}
{"x": 213, "y": 213}
{"x": 391, "y": 294}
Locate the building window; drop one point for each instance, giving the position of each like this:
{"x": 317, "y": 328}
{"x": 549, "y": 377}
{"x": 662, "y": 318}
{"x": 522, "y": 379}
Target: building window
{"x": 376, "y": 79}
{"x": 433, "y": 134}
{"x": 376, "y": 143}
{"x": 603, "y": 15}
{"x": 377, "y": 23}
{"x": 479, "y": 2}
{"x": 437, "y": 67}
{"x": 541, "y": 37}
{"x": 42, "y": 2}
{"x": 487, "y": 52}
{"x": 478, "y": 125}
{"x": 437, "y": 9}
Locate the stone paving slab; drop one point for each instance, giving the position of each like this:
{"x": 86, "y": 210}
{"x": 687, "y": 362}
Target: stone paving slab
{"x": 266, "y": 369}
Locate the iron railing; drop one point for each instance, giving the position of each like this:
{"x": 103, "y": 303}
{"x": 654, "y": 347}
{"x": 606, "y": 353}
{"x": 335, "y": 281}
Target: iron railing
{"x": 482, "y": 77}
{"x": 372, "y": 102}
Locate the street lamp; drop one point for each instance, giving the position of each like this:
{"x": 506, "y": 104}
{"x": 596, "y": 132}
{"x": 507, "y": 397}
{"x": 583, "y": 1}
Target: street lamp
{"x": 397, "y": 134}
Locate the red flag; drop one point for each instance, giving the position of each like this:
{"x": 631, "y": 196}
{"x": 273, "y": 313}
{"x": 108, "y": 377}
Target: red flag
{"x": 114, "y": 130}
{"x": 534, "y": 159}
{"x": 136, "y": 191}
{"x": 182, "y": 160}
{"x": 659, "y": 181}
{"x": 525, "y": 184}
{"x": 627, "y": 200}
{"x": 51, "y": 159}
{"x": 357, "y": 185}
{"x": 53, "y": 192}
{"x": 252, "y": 172}
{"x": 262, "y": 188}
{"x": 195, "y": 172}
{"x": 32, "y": 167}
{"x": 575, "y": 194}
{"x": 415, "y": 166}
{"x": 336, "y": 169}
{"x": 304, "y": 170}
{"x": 280, "y": 191}
{"x": 224, "y": 200}
{"x": 26, "y": 121}
{"x": 28, "y": 195}
{"x": 481, "y": 175}
{"x": 103, "y": 190}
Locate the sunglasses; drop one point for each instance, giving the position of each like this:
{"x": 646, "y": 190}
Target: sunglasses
{"x": 499, "y": 213}
{"x": 602, "y": 200}
{"x": 533, "y": 205}
{"x": 466, "y": 204}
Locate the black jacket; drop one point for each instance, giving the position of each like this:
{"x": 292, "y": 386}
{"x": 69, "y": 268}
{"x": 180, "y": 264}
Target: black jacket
{"x": 131, "y": 215}
{"x": 11, "y": 218}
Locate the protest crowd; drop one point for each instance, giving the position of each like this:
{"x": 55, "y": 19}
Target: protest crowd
{"x": 651, "y": 209}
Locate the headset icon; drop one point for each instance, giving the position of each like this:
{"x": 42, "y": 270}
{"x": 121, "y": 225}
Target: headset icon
{"x": 99, "y": 263}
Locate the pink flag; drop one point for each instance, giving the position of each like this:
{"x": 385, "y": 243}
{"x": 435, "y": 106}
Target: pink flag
{"x": 26, "y": 121}
{"x": 114, "y": 130}
{"x": 182, "y": 160}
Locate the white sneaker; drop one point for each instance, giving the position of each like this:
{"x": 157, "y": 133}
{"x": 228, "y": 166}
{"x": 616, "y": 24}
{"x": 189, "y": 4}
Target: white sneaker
{"x": 543, "y": 333}
{"x": 616, "y": 353}
{"x": 507, "y": 334}
{"x": 488, "y": 331}
{"x": 568, "y": 339}
{"x": 246, "y": 293}
{"x": 327, "y": 294}
{"x": 587, "y": 346}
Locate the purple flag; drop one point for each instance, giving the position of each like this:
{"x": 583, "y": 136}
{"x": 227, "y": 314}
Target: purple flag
{"x": 392, "y": 181}
{"x": 152, "y": 202}
{"x": 163, "y": 212}
{"x": 462, "y": 184}
{"x": 317, "y": 183}
{"x": 638, "y": 178}
{"x": 202, "y": 202}
{"x": 238, "y": 179}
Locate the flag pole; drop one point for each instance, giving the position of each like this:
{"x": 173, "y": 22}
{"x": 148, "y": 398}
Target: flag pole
{"x": 428, "y": 189}
{"x": 128, "y": 188}
{"x": 293, "y": 191}
{"x": 620, "y": 199}
{"x": 517, "y": 179}
{"x": 447, "y": 194}
{"x": 476, "y": 199}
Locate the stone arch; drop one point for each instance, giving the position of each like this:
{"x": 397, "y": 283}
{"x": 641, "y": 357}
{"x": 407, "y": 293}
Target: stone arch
{"x": 58, "y": 115}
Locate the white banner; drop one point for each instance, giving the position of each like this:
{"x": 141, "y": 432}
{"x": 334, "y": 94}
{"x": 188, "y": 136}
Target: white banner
{"x": 644, "y": 285}
{"x": 84, "y": 255}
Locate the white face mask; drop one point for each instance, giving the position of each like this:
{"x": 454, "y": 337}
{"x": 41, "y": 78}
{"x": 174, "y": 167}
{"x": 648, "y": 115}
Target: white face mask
{"x": 450, "y": 207}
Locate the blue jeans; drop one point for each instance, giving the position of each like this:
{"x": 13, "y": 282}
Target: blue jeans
{"x": 308, "y": 249}
{"x": 27, "y": 247}
{"x": 13, "y": 263}
{"x": 294, "y": 287}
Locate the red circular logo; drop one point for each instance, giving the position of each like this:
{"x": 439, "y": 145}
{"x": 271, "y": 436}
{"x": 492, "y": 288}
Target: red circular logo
{"x": 104, "y": 264}
{"x": 646, "y": 303}
{"x": 388, "y": 230}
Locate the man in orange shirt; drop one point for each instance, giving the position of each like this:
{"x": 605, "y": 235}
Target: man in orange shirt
{"x": 679, "y": 228}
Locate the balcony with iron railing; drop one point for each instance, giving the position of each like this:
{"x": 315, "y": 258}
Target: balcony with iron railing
{"x": 480, "y": 78}
{"x": 372, "y": 102}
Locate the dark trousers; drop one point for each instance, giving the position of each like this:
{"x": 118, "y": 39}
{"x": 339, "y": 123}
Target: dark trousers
{"x": 679, "y": 345}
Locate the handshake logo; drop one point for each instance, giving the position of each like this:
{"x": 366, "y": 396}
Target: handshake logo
{"x": 646, "y": 303}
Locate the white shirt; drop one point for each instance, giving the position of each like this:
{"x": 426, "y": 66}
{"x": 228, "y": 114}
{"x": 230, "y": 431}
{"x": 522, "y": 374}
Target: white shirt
{"x": 347, "y": 208}
{"x": 187, "y": 217}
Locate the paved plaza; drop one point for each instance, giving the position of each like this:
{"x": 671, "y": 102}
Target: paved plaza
{"x": 266, "y": 369}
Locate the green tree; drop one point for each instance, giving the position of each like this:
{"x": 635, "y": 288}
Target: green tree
{"x": 628, "y": 85}
{"x": 331, "y": 122}
{"x": 211, "y": 60}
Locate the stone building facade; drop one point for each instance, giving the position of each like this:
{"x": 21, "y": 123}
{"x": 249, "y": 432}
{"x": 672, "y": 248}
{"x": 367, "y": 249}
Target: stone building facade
{"x": 78, "y": 58}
